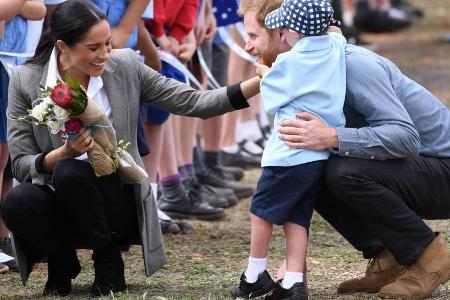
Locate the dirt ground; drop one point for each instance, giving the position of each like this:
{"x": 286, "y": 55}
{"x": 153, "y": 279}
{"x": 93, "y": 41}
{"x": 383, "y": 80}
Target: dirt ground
{"x": 207, "y": 263}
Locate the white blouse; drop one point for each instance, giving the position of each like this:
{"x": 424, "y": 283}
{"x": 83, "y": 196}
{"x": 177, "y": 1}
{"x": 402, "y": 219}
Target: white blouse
{"x": 95, "y": 91}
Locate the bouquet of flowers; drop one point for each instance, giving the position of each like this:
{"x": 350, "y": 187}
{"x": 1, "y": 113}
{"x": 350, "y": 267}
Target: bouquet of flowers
{"x": 65, "y": 109}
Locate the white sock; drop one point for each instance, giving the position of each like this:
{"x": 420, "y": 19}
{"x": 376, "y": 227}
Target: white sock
{"x": 291, "y": 278}
{"x": 248, "y": 131}
{"x": 163, "y": 216}
{"x": 231, "y": 149}
{"x": 254, "y": 268}
{"x": 347, "y": 17}
{"x": 253, "y": 148}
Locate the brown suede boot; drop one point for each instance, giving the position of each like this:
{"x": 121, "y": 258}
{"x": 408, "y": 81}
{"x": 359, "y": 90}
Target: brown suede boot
{"x": 422, "y": 278}
{"x": 381, "y": 270}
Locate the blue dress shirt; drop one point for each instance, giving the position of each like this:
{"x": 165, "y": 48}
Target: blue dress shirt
{"x": 389, "y": 115}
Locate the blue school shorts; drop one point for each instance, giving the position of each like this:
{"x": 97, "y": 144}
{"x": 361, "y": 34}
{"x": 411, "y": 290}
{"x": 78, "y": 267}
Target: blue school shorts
{"x": 152, "y": 114}
{"x": 287, "y": 194}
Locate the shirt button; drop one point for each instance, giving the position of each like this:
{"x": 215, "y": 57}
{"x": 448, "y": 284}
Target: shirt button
{"x": 347, "y": 153}
{"x": 372, "y": 157}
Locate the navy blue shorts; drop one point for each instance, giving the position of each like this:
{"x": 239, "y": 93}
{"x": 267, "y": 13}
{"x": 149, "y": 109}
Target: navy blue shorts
{"x": 287, "y": 194}
{"x": 152, "y": 114}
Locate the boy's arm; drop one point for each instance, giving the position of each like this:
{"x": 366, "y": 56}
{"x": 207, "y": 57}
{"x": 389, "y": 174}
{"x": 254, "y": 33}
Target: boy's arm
{"x": 33, "y": 10}
{"x": 10, "y": 8}
{"x": 275, "y": 85}
{"x": 200, "y": 24}
{"x": 211, "y": 23}
{"x": 187, "y": 49}
{"x": 148, "y": 49}
{"x": 2, "y": 27}
{"x": 334, "y": 29}
{"x": 121, "y": 33}
{"x": 261, "y": 69}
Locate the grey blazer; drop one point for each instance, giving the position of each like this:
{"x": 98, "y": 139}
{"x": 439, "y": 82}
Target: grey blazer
{"x": 127, "y": 83}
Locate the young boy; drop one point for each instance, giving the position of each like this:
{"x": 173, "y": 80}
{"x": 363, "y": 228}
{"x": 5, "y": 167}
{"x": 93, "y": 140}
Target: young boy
{"x": 308, "y": 78}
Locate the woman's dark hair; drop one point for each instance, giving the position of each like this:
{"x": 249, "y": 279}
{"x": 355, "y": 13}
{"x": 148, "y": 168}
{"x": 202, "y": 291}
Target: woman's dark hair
{"x": 69, "y": 22}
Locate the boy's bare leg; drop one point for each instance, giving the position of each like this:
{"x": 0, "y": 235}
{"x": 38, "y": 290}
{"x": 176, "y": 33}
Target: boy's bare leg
{"x": 261, "y": 234}
{"x": 185, "y": 138}
{"x": 154, "y": 135}
{"x": 296, "y": 246}
{"x": 168, "y": 163}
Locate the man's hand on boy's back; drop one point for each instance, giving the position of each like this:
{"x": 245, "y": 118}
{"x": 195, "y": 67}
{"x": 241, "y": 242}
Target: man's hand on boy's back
{"x": 2, "y": 27}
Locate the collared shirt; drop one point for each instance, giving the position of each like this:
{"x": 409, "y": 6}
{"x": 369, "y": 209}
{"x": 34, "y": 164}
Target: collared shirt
{"x": 95, "y": 90}
{"x": 308, "y": 78}
{"x": 389, "y": 115}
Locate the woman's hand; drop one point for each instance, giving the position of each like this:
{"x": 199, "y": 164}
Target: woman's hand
{"x": 71, "y": 149}
{"x": 82, "y": 144}
{"x": 261, "y": 70}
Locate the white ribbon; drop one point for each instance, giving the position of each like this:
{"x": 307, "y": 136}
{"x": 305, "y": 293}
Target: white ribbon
{"x": 240, "y": 28}
{"x": 212, "y": 82}
{"x": 174, "y": 62}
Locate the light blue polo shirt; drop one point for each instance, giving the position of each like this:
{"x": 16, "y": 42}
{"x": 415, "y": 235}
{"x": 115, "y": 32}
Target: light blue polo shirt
{"x": 311, "y": 77}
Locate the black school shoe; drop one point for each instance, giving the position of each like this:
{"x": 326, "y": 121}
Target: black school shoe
{"x": 296, "y": 292}
{"x": 246, "y": 290}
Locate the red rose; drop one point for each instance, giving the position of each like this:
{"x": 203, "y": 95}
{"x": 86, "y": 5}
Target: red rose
{"x": 73, "y": 126}
{"x": 62, "y": 94}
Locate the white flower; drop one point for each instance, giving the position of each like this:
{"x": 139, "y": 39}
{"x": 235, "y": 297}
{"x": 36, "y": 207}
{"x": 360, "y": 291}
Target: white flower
{"x": 40, "y": 111}
{"x": 48, "y": 101}
{"x": 55, "y": 126}
{"x": 61, "y": 114}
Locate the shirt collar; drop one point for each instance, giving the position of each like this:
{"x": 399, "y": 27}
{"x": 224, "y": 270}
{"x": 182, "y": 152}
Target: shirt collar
{"x": 313, "y": 43}
{"x": 95, "y": 83}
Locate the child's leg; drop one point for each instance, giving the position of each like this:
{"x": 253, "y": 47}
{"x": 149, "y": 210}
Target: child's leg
{"x": 296, "y": 245}
{"x": 259, "y": 245}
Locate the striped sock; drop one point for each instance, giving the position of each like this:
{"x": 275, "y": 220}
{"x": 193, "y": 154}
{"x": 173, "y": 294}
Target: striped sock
{"x": 186, "y": 171}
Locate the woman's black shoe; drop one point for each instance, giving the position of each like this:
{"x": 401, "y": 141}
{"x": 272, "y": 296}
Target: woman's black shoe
{"x": 109, "y": 273}
{"x": 296, "y": 292}
{"x": 58, "y": 287}
{"x": 246, "y": 290}
{"x": 63, "y": 266}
